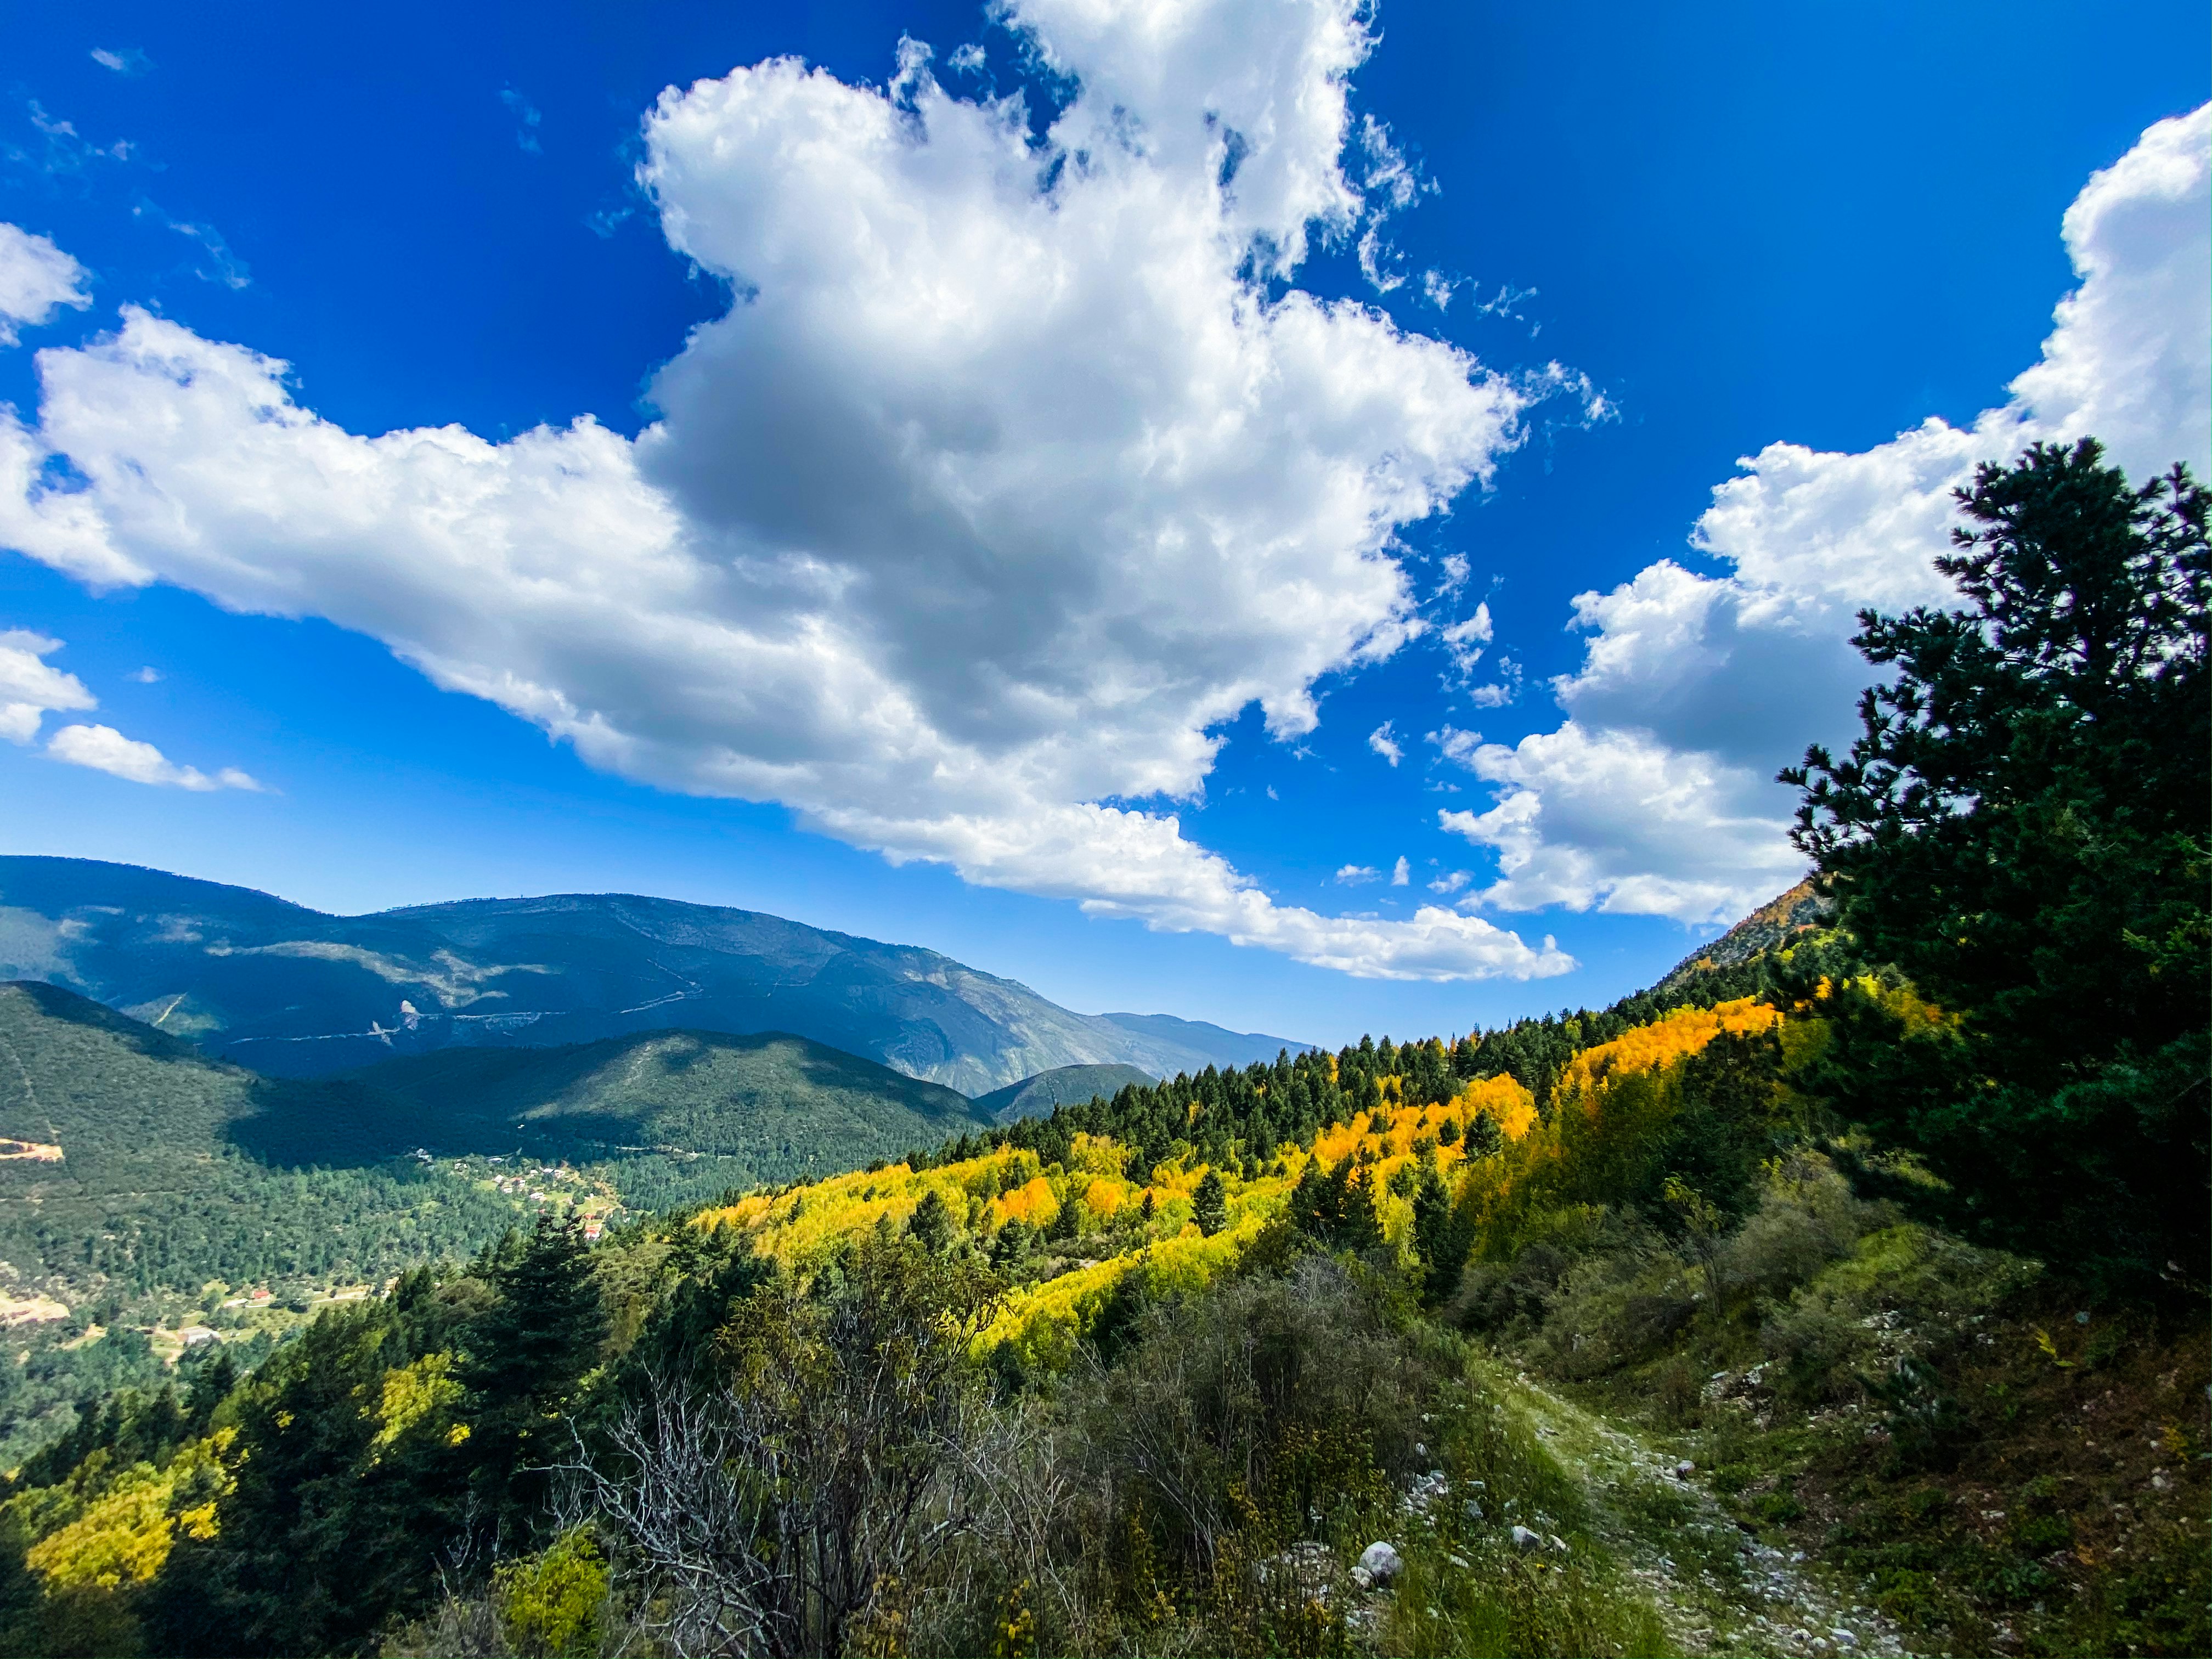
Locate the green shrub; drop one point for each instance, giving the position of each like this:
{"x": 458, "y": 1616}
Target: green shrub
{"x": 552, "y": 1605}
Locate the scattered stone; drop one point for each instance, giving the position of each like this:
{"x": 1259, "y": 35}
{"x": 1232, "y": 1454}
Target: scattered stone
{"x": 1685, "y": 1469}
{"x": 1381, "y": 1562}
{"x": 1460, "y": 1562}
{"x": 1364, "y": 1578}
{"x": 1559, "y": 1544}
{"x": 1473, "y": 1509}
{"x": 1306, "y": 1569}
{"x": 1843, "y": 1639}
{"x": 1525, "y": 1540}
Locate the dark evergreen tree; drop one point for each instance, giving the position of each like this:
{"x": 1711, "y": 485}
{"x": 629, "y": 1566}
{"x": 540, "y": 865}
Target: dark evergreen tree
{"x": 931, "y": 1223}
{"x": 2024, "y": 828}
{"x": 525, "y": 1355}
{"x": 1209, "y": 1204}
{"x": 1336, "y": 1208}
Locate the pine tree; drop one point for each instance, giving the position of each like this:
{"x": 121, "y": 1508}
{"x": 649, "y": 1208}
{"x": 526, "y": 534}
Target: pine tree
{"x": 2023, "y": 829}
{"x": 528, "y": 1350}
{"x": 931, "y": 1223}
{"x": 1209, "y": 1204}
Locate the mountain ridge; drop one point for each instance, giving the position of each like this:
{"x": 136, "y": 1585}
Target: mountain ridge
{"x": 291, "y": 990}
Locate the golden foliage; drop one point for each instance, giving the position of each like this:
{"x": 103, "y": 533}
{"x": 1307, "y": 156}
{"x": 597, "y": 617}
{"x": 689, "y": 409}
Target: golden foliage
{"x": 1510, "y": 1106}
{"x": 125, "y": 1535}
{"x": 412, "y": 1392}
{"x": 1042, "y": 1322}
{"x": 1675, "y": 1036}
{"x": 553, "y": 1602}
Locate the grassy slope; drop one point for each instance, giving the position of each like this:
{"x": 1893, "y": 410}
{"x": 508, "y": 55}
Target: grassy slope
{"x": 1064, "y": 1086}
{"x": 671, "y": 1117}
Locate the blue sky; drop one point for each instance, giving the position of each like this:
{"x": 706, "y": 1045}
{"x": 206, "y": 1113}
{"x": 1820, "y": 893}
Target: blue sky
{"x": 1663, "y": 243}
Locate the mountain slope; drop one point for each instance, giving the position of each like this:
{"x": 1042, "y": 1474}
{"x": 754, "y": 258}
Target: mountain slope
{"x": 292, "y": 992}
{"x": 1775, "y": 923}
{"x": 1064, "y": 1086}
{"x": 133, "y": 1164}
{"x": 671, "y": 1117}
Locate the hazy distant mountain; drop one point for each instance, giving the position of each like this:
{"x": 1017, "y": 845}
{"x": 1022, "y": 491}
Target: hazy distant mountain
{"x": 289, "y": 991}
{"x": 1036, "y": 1096}
{"x": 1220, "y": 1047}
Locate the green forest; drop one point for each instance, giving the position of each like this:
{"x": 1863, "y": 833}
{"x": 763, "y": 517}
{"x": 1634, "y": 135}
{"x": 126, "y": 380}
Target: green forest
{"x": 1844, "y": 1294}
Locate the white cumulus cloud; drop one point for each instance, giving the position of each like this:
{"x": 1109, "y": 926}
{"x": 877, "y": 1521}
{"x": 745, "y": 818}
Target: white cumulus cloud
{"x": 1615, "y": 821}
{"x": 1384, "y": 745}
{"x": 104, "y": 749}
{"x": 36, "y": 280}
{"x": 1007, "y": 479}
{"x": 1656, "y": 796}
{"x": 30, "y": 686}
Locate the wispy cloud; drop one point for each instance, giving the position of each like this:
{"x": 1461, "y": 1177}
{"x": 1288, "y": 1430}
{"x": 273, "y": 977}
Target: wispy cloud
{"x": 1500, "y": 691}
{"x": 1384, "y": 745}
{"x": 36, "y": 280}
{"x": 528, "y": 118}
{"x": 222, "y": 265}
{"x": 104, "y": 749}
{"x": 1466, "y": 640}
{"x": 127, "y": 61}
{"x": 62, "y": 152}
{"x": 1456, "y": 746}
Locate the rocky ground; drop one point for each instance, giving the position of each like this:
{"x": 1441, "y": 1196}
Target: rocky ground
{"x": 1717, "y": 1590}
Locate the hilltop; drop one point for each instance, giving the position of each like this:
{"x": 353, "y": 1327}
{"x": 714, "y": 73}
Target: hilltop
{"x": 1772, "y": 926}
{"x": 292, "y": 992}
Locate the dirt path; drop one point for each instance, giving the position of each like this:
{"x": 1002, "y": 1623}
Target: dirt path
{"x": 1718, "y": 1590}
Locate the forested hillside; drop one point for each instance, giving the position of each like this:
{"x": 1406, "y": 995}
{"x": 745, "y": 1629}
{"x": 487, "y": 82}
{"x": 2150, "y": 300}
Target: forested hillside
{"x": 671, "y": 1118}
{"x": 142, "y": 1185}
{"x": 145, "y": 1188}
{"x": 1844, "y": 1295}
{"x": 1034, "y": 1097}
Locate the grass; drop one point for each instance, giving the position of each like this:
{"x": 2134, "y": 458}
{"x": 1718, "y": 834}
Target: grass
{"x": 1467, "y": 1589}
